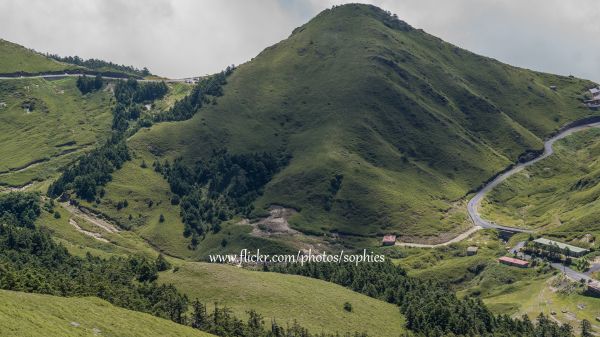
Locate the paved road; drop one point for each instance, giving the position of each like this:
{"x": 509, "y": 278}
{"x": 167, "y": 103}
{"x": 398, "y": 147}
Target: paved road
{"x": 572, "y": 274}
{"x": 58, "y": 76}
{"x": 473, "y": 205}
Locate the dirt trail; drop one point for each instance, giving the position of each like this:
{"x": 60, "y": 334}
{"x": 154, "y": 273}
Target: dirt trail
{"x": 94, "y": 235}
{"x": 91, "y": 218}
{"x": 459, "y": 238}
{"x": 275, "y": 224}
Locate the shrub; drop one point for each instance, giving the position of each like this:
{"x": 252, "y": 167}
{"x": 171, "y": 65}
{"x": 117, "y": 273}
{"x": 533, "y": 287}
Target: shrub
{"x": 348, "y": 306}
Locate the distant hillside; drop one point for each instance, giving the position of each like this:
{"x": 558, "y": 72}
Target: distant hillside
{"x": 407, "y": 122}
{"x": 34, "y": 315}
{"x": 15, "y": 58}
{"x": 102, "y": 66}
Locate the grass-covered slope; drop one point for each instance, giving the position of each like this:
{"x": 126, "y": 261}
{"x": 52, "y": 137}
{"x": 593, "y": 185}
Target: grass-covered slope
{"x": 315, "y": 304}
{"x": 411, "y": 122}
{"x": 558, "y": 194}
{"x": 45, "y": 124}
{"x": 15, "y": 58}
{"x": 34, "y": 315}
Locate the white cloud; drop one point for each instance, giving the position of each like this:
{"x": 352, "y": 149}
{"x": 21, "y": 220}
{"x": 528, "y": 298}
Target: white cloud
{"x": 186, "y": 37}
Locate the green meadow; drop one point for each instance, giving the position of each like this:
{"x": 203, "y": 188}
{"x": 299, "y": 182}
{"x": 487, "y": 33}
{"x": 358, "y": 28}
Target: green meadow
{"x": 34, "y": 315}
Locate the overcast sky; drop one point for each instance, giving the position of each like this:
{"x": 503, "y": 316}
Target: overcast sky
{"x": 178, "y": 38}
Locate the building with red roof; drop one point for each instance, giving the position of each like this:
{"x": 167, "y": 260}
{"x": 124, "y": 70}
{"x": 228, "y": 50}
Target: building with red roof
{"x": 389, "y": 240}
{"x": 511, "y": 261}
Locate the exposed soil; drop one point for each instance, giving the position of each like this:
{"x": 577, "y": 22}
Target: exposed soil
{"x": 275, "y": 224}
{"x": 94, "y": 235}
{"x": 91, "y": 218}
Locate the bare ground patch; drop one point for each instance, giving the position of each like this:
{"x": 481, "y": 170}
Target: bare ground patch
{"x": 94, "y": 235}
{"x": 275, "y": 224}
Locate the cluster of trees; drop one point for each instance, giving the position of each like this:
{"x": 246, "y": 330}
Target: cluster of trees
{"x": 187, "y": 107}
{"x": 221, "y": 322}
{"x": 334, "y": 186}
{"x": 551, "y": 252}
{"x": 214, "y": 190}
{"x": 92, "y": 170}
{"x": 431, "y": 309}
{"x": 132, "y": 91}
{"x": 88, "y": 84}
{"x": 95, "y": 168}
{"x": 130, "y": 95}
{"x": 100, "y": 65}
{"x": 31, "y": 261}
{"x": 19, "y": 208}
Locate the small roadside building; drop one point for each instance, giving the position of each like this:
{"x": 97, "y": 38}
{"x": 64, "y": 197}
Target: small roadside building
{"x": 472, "y": 250}
{"x": 511, "y": 261}
{"x": 594, "y": 288}
{"x": 595, "y": 101}
{"x": 567, "y": 249}
{"x": 388, "y": 240}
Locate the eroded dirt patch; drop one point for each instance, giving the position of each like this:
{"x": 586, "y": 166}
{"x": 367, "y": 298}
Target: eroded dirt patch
{"x": 91, "y": 218}
{"x": 275, "y": 224}
{"x": 94, "y": 235}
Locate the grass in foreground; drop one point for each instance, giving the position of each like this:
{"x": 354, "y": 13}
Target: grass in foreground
{"x": 34, "y": 315}
{"x": 315, "y": 304}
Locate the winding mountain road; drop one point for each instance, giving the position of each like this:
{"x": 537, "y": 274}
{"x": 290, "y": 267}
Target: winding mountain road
{"x": 475, "y": 202}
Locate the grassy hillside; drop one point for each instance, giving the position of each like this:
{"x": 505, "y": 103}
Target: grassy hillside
{"x": 15, "y": 58}
{"x": 46, "y": 124}
{"x": 315, "y": 304}
{"x": 558, "y": 194}
{"x": 411, "y": 122}
{"x": 34, "y": 315}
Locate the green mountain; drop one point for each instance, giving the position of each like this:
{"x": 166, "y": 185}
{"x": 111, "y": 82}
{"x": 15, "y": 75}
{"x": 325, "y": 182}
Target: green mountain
{"x": 388, "y": 127}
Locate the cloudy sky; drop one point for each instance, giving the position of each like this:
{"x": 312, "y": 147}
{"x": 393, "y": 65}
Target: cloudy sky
{"x": 178, "y": 38}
